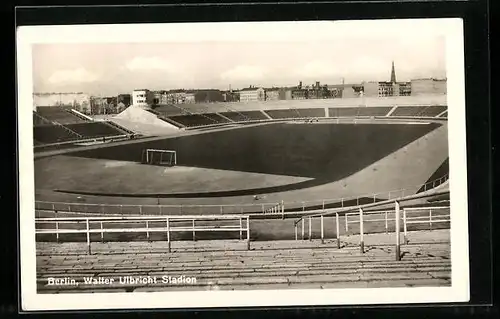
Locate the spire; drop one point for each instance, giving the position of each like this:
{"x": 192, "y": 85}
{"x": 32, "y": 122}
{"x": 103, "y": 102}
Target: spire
{"x": 393, "y": 74}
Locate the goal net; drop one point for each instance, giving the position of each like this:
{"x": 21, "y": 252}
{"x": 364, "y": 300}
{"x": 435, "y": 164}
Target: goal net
{"x": 159, "y": 157}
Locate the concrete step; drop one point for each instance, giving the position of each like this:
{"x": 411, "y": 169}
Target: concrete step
{"x": 334, "y": 285}
{"x": 131, "y": 264}
{"x": 257, "y": 273}
{"x": 229, "y": 268}
{"x": 313, "y": 278}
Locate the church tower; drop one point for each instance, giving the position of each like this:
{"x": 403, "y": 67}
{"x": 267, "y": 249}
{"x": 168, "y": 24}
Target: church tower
{"x": 393, "y": 74}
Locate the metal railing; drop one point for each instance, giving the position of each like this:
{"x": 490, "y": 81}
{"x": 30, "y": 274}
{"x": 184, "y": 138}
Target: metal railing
{"x": 144, "y": 224}
{"x": 263, "y": 208}
{"x": 421, "y": 215}
{"x": 278, "y": 209}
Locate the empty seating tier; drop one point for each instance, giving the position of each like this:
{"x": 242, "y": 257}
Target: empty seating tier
{"x": 343, "y": 112}
{"x": 37, "y": 120}
{"x": 245, "y": 116}
{"x": 433, "y": 110}
{"x": 317, "y": 112}
{"x": 284, "y": 114}
{"x": 373, "y": 111}
{"x": 53, "y": 134}
{"x": 216, "y": 118}
{"x": 58, "y": 133}
{"x": 59, "y": 115}
{"x": 194, "y": 120}
{"x": 408, "y": 110}
{"x": 94, "y": 129}
{"x": 224, "y": 265}
{"x": 169, "y": 110}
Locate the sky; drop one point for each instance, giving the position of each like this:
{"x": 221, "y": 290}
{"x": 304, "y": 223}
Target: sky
{"x": 270, "y": 55}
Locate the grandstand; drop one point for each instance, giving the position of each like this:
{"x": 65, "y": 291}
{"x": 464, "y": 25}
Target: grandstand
{"x": 59, "y": 115}
{"x": 321, "y": 257}
{"x": 199, "y": 115}
{"x": 271, "y": 177}
{"x": 408, "y": 110}
{"x": 55, "y": 125}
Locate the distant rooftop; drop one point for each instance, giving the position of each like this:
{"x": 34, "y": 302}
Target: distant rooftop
{"x": 250, "y": 89}
{"x": 433, "y": 79}
{"x": 51, "y": 93}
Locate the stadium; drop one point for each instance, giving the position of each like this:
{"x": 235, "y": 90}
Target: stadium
{"x": 275, "y": 194}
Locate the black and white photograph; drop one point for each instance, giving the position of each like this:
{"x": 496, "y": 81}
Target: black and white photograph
{"x": 242, "y": 164}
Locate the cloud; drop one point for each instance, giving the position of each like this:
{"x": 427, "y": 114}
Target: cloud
{"x": 243, "y": 73}
{"x": 79, "y": 75}
{"x": 142, "y": 63}
{"x": 316, "y": 69}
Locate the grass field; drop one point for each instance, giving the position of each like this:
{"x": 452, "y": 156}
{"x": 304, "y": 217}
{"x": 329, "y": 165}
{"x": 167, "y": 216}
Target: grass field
{"x": 305, "y": 156}
{"x": 311, "y": 155}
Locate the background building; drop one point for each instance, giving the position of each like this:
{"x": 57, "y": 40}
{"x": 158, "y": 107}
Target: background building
{"x": 125, "y": 99}
{"x": 190, "y": 97}
{"x": 405, "y": 88}
{"x": 428, "y": 86}
{"x": 142, "y": 97}
{"x": 252, "y": 94}
{"x": 272, "y": 94}
{"x": 98, "y": 105}
{"x": 75, "y": 100}
{"x": 230, "y": 96}
{"x": 208, "y": 96}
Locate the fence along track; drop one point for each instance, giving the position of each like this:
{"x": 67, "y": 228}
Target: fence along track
{"x": 269, "y": 208}
{"x": 142, "y": 224}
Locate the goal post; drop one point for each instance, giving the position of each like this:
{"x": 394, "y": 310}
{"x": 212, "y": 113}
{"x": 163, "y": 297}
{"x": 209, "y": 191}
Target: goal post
{"x": 159, "y": 157}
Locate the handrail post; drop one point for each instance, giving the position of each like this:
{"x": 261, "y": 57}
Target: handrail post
{"x": 140, "y": 209}
{"x": 386, "y": 223}
{"x": 88, "y": 236}
{"x": 194, "y": 232}
{"x": 322, "y": 231}
{"x": 398, "y": 252}
{"x": 296, "y": 231}
{"x": 405, "y": 235}
{"x": 303, "y": 206}
{"x": 102, "y": 233}
{"x": 57, "y": 232}
{"x": 323, "y": 204}
{"x": 346, "y": 223}
{"x": 168, "y": 235}
{"x": 310, "y": 228}
{"x": 361, "y": 232}
{"x": 241, "y": 229}
{"x": 430, "y": 219}
{"x": 121, "y": 209}
{"x": 147, "y": 230}
{"x": 282, "y": 209}
{"x": 248, "y": 232}
{"x": 342, "y": 202}
{"x": 303, "y": 226}
{"x": 337, "y": 225}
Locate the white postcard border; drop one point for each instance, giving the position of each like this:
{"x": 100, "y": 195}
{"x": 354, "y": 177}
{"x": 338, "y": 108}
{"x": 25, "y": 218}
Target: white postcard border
{"x": 452, "y": 29}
